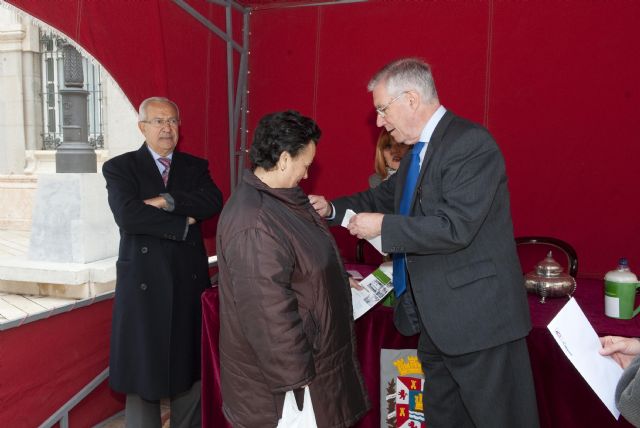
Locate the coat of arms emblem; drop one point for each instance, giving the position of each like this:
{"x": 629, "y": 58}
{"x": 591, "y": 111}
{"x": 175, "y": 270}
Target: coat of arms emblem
{"x": 402, "y": 389}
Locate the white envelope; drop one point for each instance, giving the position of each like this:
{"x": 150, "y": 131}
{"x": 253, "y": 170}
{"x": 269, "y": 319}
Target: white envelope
{"x": 580, "y": 343}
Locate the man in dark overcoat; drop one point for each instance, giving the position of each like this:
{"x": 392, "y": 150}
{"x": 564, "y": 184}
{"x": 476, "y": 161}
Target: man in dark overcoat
{"x": 445, "y": 217}
{"x": 159, "y": 197}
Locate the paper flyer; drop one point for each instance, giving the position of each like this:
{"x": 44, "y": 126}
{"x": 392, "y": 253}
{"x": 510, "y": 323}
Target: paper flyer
{"x": 376, "y": 242}
{"x": 374, "y": 288}
{"x": 578, "y": 340}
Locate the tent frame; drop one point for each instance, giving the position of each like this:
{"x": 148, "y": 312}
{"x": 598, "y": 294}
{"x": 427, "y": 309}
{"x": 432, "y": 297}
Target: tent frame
{"x": 236, "y": 99}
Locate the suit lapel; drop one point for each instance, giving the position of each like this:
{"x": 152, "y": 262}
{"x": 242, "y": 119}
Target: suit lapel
{"x": 147, "y": 167}
{"x": 401, "y": 177}
{"x": 434, "y": 144}
{"x": 177, "y": 168}
{"x": 436, "y": 141}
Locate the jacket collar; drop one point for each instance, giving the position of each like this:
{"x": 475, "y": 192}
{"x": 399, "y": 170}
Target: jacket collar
{"x": 145, "y": 158}
{"x": 293, "y": 196}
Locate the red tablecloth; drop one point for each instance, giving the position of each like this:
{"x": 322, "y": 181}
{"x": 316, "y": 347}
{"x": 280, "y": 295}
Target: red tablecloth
{"x": 564, "y": 398}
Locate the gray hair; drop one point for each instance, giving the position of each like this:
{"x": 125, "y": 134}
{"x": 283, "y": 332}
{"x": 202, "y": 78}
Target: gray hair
{"x": 407, "y": 74}
{"x": 142, "y": 110}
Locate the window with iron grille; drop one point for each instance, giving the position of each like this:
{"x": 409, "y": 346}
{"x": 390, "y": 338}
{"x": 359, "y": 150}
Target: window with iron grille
{"x": 52, "y": 80}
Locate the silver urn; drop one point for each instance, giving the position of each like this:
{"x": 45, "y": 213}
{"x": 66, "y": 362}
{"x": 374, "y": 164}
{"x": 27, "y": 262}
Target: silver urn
{"x": 549, "y": 280}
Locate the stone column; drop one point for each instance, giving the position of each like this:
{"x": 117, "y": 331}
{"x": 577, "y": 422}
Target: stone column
{"x": 12, "y": 102}
{"x": 32, "y": 86}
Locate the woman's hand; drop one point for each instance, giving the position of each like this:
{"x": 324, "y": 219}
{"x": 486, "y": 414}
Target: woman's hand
{"x": 622, "y": 349}
{"x": 354, "y": 284}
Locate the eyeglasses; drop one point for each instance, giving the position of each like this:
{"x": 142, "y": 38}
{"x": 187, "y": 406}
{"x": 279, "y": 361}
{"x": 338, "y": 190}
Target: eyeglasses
{"x": 382, "y": 109}
{"x": 160, "y": 123}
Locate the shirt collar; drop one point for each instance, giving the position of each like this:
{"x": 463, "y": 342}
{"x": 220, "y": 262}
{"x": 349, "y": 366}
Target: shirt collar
{"x": 157, "y": 156}
{"x": 427, "y": 132}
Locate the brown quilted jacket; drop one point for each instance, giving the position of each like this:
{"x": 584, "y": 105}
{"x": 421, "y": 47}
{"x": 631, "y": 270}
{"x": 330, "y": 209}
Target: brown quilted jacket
{"x": 285, "y": 310}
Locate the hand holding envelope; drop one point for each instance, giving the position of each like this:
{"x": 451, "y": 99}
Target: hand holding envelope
{"x": 580, "y": 343}
{"x": 623, "y": 350}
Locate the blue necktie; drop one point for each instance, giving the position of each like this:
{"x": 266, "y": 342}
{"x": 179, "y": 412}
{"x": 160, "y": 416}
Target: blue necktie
{"x": 399, "y": 273}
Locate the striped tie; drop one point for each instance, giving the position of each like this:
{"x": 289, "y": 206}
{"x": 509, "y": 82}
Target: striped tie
{"x": 166, "y": 162}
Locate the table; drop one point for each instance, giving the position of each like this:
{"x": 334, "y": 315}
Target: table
{"x": 564, "y": 398}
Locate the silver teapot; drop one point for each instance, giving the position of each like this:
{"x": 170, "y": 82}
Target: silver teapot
{"x": 548, "y": 280}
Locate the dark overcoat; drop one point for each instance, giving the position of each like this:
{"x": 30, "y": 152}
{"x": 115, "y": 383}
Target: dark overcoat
{"x": 161, "y": 273}
{"x": 285, "y": 311}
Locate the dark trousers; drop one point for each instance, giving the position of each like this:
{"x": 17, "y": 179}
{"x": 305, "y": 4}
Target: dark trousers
{"x": 491, "y": 388}
{"x": 185, "y": 410}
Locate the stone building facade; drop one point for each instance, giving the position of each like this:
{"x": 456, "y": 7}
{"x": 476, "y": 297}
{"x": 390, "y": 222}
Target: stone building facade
{"x": 22, "y": 121}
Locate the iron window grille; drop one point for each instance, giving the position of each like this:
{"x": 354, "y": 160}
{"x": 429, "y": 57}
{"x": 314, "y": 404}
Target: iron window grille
{"x": 52, "y": 79}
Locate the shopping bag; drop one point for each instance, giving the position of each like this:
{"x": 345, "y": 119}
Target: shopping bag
{"x": 294, "y": 418}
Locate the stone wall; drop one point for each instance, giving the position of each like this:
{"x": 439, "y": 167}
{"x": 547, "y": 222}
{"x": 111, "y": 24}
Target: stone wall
{"x": 17, "y": 191}
{"x": 16, "y": 201}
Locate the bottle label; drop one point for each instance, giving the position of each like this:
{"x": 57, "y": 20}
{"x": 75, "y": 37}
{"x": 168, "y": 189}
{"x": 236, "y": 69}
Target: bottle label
{"x": 612, "y": 306}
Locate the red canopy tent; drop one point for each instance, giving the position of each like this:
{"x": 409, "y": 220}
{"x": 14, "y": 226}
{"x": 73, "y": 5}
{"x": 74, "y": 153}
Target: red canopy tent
{"x": 555, "y": 82}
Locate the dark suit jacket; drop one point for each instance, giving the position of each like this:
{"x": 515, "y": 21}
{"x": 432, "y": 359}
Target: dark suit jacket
{"x": 155, "y": 342}
{"x": 461, "y": 256}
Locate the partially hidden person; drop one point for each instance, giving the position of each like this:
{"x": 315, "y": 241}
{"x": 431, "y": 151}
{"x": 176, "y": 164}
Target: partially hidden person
{"x": 626, "y": 352}
{"x": 387, "y": 160}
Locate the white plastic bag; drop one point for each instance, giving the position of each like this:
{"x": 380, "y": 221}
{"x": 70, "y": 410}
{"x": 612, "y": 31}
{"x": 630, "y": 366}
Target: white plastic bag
{"x": 294, "y": 418}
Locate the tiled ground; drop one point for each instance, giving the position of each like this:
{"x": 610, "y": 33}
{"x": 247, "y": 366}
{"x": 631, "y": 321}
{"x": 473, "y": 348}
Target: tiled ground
{"x": 16, "y": 307}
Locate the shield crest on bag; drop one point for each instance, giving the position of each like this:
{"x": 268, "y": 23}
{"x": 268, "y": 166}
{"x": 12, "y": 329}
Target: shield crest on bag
{"x": 401, "y": 385}
{"x": 409, "y": 409}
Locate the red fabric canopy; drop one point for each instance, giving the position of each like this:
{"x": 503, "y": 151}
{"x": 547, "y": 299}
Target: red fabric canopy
{"x": 560, "y": 98}
{"x": 153, "y": 47}
{"x": 555, "y": 82}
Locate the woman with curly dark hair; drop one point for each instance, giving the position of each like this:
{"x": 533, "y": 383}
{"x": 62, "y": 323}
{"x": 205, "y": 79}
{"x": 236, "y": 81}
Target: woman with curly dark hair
{"x": 285, "y": 305}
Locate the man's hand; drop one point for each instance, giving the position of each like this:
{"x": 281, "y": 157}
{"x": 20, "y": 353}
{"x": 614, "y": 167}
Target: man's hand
{"x": 191, "y": 220}
{"x": 366, "y": 225}
{"x": 622, "y": 349}
{"x": 321, "y": 205}
{"x": 158, "y": 202}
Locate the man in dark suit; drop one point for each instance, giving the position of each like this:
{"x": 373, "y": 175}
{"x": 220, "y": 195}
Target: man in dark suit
{"x": 159, "y": 197}
{"x": 445, "y": 216}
